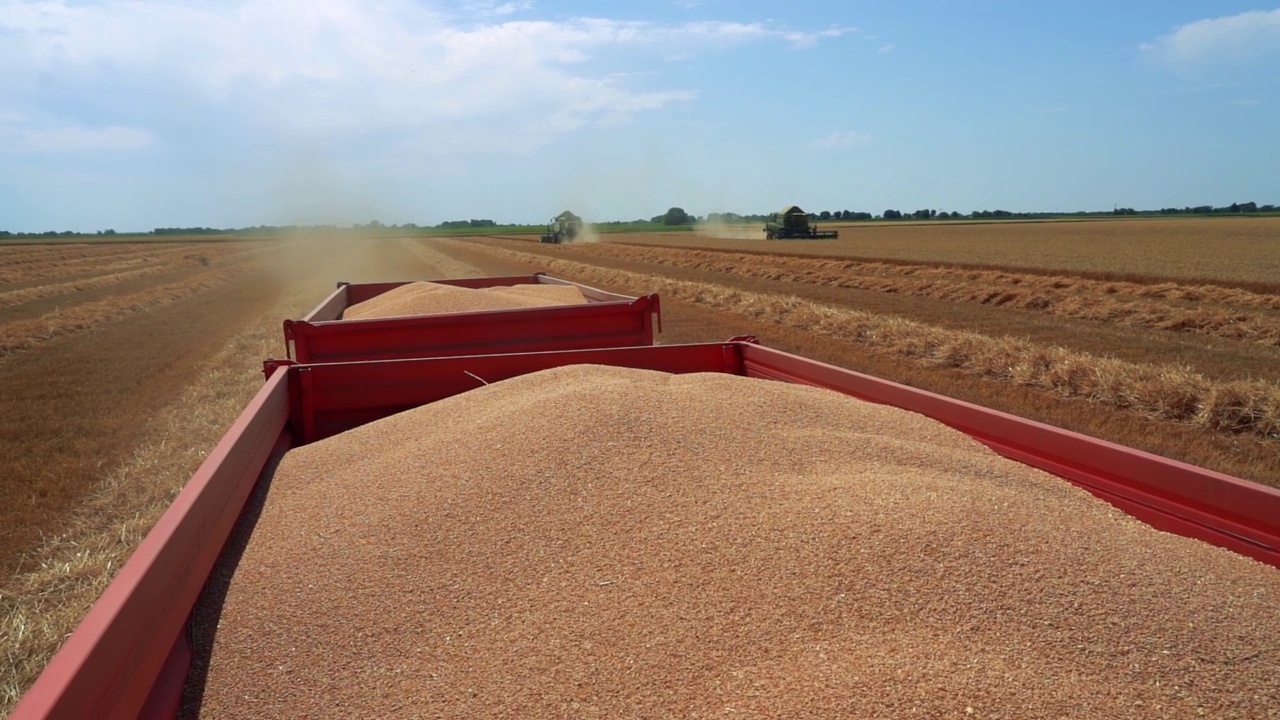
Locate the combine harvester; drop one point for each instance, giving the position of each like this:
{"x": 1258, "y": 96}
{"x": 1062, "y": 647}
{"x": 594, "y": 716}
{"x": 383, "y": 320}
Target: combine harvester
{"x": 793, "y": 224}
{"x": 131, "y": 655}
{"x": 563, "y": 228}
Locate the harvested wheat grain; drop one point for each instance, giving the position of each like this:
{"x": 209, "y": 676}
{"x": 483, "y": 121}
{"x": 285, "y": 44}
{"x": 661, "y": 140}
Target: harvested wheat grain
{"x": 427, "y": 298}
{"x": 604, "y": 542}
{"x": 557, "y": 294}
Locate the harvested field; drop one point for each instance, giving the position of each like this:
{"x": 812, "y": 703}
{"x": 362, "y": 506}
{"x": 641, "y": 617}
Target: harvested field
{"x": 1241, "y": 251}
{"x": 27, "y": 264}
{"x": 426, "y": 298}
{"x": 475, "y": 558}
{"x": 1210, "y": 310}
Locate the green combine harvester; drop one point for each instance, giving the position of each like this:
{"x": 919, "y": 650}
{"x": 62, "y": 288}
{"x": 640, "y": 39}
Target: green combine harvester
{"x": 793, "y": 224}
{"x": 562, "y": 228}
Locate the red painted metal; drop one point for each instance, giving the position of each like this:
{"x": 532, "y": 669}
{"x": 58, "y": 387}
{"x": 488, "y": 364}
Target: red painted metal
{"x": 327, "y": 399}
{"x": 128, "y": 658}
{"x": 606, "y": 320}
{"x": 332, "y": 306}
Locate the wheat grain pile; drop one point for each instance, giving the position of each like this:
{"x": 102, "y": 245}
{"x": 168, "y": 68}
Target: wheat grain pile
{"x": 616, "y": 543}
{"x": 427, "y": 298}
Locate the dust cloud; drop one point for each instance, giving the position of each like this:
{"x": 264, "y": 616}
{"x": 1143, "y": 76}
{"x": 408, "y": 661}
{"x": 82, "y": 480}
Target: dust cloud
{"x": 319, "y": 199}
{"x": 718, "y": 228}
{"x": 586, "y": 235}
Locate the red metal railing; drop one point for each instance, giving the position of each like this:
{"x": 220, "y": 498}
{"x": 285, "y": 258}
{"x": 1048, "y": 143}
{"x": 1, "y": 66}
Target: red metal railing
{"x": 128, "y": 658}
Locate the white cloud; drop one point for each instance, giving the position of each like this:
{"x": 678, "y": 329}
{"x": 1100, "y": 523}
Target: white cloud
{"x": 493, "y": 9}
{"x": 1232, "y": 39}
{"x": 838, "y": 140}
{"x": 886, "y": 49}
{"x": 345, "y": 66}
{"x": 803, "y": 40}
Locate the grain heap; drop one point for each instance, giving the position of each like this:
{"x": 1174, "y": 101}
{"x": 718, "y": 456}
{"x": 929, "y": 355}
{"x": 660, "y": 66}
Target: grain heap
{"x": 605, "y": 542}
{"x": 427, "y": 298}
{"x": 545, "y": 294}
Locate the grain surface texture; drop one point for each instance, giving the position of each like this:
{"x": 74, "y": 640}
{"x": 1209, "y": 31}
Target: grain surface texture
{"x": 427, "y": 298}
{"x": 594, "y": 542}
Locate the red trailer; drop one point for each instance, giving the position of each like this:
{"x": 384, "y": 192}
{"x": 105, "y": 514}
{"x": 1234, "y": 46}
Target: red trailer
{"x": 129, "y": 658}
{"x": 606, "y": 320}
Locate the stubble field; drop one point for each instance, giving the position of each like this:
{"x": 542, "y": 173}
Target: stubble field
{"x": 121, "y": 364}
{"x": 1239, "y": 251}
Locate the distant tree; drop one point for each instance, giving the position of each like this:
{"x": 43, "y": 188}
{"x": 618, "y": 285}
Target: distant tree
{"x": 892, "y": 215}
{"x": 824, "y": 215}
{"x": 675, "y": 216}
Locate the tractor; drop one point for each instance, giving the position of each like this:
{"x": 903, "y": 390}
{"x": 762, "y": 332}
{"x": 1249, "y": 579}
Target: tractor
{"x": 793, "y": 223}
{"x": 562, "y": 228}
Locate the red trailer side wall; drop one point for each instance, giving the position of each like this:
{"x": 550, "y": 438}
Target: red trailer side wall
{"x": 606, "y": 320}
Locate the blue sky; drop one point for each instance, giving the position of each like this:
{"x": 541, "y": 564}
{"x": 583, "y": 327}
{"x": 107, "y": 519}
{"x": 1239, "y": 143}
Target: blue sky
{"x": 134, "y": 115}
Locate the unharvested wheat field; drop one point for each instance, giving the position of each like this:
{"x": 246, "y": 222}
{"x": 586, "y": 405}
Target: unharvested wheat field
{"x": 121, "y": 364}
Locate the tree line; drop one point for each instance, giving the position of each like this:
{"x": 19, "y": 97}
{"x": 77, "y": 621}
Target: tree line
{"x": 677, "y": 216}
